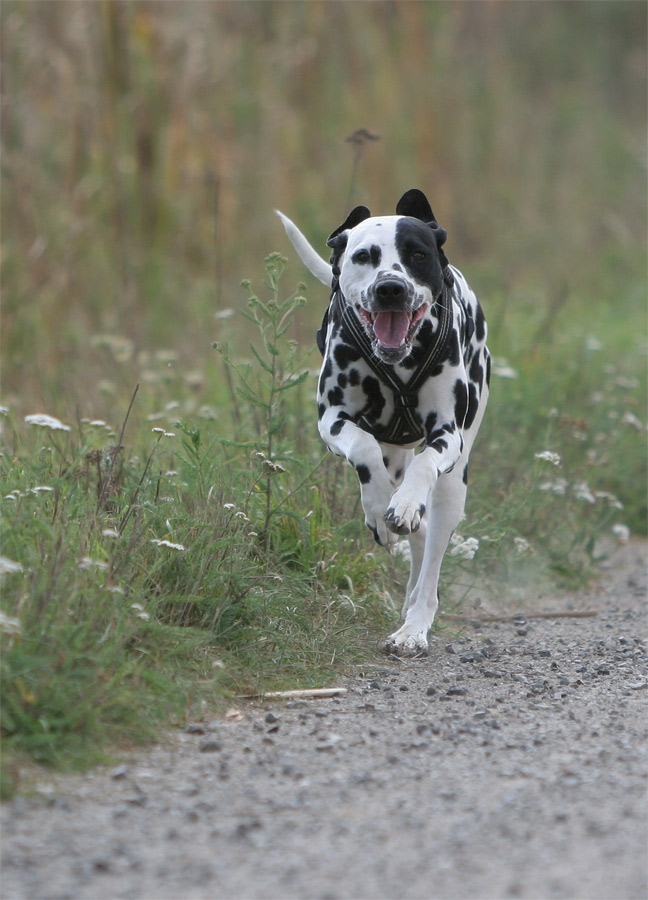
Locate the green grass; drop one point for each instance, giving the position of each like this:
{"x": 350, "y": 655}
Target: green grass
{"x": 144, "y": 149}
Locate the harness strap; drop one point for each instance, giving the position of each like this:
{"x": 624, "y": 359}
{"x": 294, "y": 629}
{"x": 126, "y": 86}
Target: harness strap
{"x": 404, "y": 426}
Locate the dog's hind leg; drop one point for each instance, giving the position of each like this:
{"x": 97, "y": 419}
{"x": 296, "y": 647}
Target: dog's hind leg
{"x": 444, "y": 511}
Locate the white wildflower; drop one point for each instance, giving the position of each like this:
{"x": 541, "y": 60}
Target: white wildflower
{"x": 9, "y": 566}
{"x": 207, "y": 412}
{"x": 226, "y": 313}
{"x": 110, "y": 532}
{"x": 9, "y": 624}
{"x": 402, "y": 549}
{"x": 241, "y": 515}
{"x": 621, "y": 532}
{"x": 269, "y": 468}
{"x": 501, "y": 369}
{"x": 521, "y": 545}
{"x": 582, "y": 492}
{"x": 548, "y": 456}
{"x": 169, "y": 544}
{"x": 229, "y": 506}
{"x": 629, "y": 418}
{"x": 464, "y": 547}
{"x": 612, "y": 499}
{"x": 46, "y": 421}
{"x": 115, "y": 589}
{"x": 137, "y": 606}
{"x": 41, "y": 489}
{"x": 158, "y": 430}
{"x": 627, "y": 383}
{"x": 558, "y": 486}
{"x": 86, "y": 562}
{"x": 4, "y": 410}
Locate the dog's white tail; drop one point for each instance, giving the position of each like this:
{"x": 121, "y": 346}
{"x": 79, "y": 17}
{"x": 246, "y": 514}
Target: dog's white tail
{"x": 308, "y": 255}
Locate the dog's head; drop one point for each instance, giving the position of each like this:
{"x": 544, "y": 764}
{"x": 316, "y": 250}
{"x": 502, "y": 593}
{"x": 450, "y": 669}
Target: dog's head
{"x": 391, "y": 271}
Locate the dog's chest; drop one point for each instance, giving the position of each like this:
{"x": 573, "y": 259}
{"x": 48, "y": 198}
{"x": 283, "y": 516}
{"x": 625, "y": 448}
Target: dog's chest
{"x": 398, "y": 404}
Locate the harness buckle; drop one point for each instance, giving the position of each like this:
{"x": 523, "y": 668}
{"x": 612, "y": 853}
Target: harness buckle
{"x": 406, "y": 400}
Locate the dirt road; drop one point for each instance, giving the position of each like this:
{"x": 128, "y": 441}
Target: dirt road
{"x": 509, "y": 763}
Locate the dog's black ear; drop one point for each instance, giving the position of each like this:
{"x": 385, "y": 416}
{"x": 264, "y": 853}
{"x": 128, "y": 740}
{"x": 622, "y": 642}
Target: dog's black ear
{"x": 357, "y": 215}
{"x": 414, "y": 203}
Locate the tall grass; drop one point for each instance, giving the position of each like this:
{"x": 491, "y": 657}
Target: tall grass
{"x": 144, "y": 147}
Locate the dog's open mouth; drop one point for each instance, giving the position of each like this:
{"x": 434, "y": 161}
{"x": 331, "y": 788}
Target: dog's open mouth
{"x": 393, "y": 329}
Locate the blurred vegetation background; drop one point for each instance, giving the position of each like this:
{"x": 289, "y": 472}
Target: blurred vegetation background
{"x": 146, "y": 144}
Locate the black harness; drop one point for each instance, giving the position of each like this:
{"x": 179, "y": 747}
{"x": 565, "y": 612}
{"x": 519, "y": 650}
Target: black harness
{"x": 405, "y": 426}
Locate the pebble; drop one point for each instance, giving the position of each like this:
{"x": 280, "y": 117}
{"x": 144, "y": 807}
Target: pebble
{"x": 211, "y": 745}
{"x": 271, "y": 718}
{"x": 195, "y": 728}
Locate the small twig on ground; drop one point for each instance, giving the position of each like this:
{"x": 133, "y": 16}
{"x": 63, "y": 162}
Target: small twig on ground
{"x": 510, "y": 617}
{"x": 301, "y": 693}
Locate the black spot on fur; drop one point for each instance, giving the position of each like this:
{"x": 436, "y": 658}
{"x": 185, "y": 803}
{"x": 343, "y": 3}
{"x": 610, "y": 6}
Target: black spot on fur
{"x": 464, "y": 476}
{"x": 437, "y": 439}
{"x": 480, "y": 325}
{"x": 342, "y": 380}
{"x": 364, "y": 474}
{"x": 345, "y": 355}
{"x": 473, "y": 403}
{"x": 476, "y": 372}
{"x": 375, "y": 399}
{"x": 461, "y": 401}
{"x": 488, "y": 369}
{"x": 321, "y": 409}
{"x": 454, "y": 355}
{"x": 354, "y": 377}
{"x": 398, "y": 474}
{"x": 336, "y": 397}
{"x": 376, "y": 255}
{"x": 337, "y": 426}
{"x": 385, "y": 461}
{"x": 326, "y": 372}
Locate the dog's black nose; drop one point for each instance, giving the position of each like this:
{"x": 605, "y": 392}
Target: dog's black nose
{"x": 390, "y": 291}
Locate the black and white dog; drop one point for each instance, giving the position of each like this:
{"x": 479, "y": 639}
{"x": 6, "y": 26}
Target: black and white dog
{"x": 405, "y": 369}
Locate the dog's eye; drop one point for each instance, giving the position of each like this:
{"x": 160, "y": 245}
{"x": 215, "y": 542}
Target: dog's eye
{"x": 418, "y": 255}
{"x": 362, "y": 256}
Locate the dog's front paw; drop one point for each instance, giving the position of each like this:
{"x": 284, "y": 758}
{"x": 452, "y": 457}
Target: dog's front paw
{"x": 404, "y": 515}
{"x": 406, "y": 643}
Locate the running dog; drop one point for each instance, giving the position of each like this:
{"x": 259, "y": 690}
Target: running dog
{"x": 403, "y": 385}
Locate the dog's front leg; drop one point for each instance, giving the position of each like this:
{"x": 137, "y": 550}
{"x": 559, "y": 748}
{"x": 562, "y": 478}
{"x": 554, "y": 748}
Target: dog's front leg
{"x": 345, "y": 438}
{"x": 408, "y": 504}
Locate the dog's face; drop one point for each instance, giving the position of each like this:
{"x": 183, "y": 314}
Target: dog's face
{"x": 391, "y": 271}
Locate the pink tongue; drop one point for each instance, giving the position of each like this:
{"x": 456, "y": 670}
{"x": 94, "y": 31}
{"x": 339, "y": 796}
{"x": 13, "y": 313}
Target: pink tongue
{"x": 391, "y": 328}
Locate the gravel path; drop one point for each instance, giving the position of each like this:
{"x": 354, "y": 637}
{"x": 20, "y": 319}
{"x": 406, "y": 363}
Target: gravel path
{"x": 509, "y": 763}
